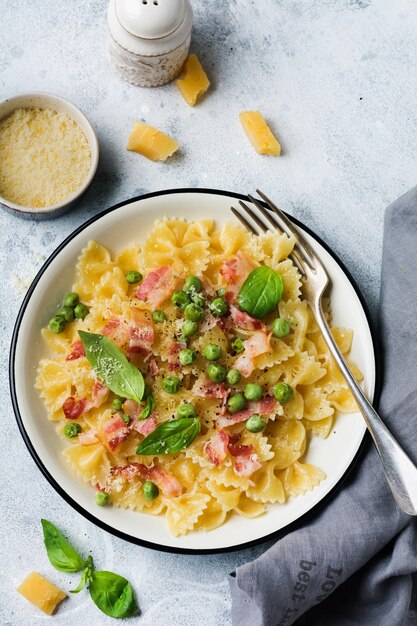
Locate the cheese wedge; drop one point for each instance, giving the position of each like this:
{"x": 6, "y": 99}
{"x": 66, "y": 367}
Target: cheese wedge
{"x": 193, "y": 82}
{"x": 41, "y": 593}
{"x": 259, "y": 133}
{"x": 151, "y": 142}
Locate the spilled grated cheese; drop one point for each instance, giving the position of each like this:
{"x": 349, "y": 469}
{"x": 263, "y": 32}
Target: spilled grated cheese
{"x": 44, "y": 157}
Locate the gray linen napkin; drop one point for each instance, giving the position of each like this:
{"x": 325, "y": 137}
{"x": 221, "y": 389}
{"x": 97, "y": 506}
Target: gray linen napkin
{"x": 353, "y": 562}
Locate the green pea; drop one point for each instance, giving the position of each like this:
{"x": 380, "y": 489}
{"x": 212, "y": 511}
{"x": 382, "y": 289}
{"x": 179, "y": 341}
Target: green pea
{"x": 180, "y": 299}
{"x": 117, "y": 404}
{"x": 126, "y": 418}
{"x": 212, "y": 352}
{"x": 233, "y": 377}
{"x": 283, "y": 392}
{"x": 57, "y": 324}
{"x": 189, "y": 328}
{"x": 253, "y": 391}
{"x": 237, "y": 345}
{"x": 81, "y": 311}
{"x": 183, "y": 339}
{"x": 67, "y": 312}
{"x": 171, "y": 384}
{"x": 186, "y": 410}
{"x": 236, "y": 403}
{"x": 150, "y": 490}
{"x": 72, "y": 429}
{"x": 219, "y": 307}
{"x": 193, "y": 312}
{"x": 198, "y": 299}
{"x": 221, "y": 292}
{"x": 133, "y": 277}
{"x": 280, "y": 327}
{"x": 255, "y": 424}
{"x": 216, "y": 373}
{"x": 102, "y": 498}
{"x": 192, "y": 285}
{"x": 71, "y": 299}
{"x": 187, "y": 356}
{"x": 158, "y": 316}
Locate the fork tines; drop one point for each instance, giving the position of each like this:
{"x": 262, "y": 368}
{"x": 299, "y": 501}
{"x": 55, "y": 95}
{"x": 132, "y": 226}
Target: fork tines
{"x": 302, "y": 252}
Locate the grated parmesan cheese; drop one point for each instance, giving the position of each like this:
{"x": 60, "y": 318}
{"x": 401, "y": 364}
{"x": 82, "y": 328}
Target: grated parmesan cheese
{"x": 44, "y": 157}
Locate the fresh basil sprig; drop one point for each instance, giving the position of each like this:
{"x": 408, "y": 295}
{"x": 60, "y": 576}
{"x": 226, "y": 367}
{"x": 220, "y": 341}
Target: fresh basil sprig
{"x": 261, "y": 292}
{"x": 112, "y": 366}
{"x": 60, "y": 553}
{"x": 150, "y": 403}
{"x": 170, "y": 437}
{"x": 111, "y": 593}
{"x": 85, "y": 576}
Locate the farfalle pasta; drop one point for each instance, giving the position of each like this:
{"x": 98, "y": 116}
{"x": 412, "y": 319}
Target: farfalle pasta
{"x": 241, "y": 394}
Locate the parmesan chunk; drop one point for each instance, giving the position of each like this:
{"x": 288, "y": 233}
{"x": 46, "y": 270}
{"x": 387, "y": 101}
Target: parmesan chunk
{"x": 44, "y": 157}
{"x": 259, "y": 133}
{"x": 194, "y": 82}
{"x": 41, "y": 593}
{"x": 151, "y": 142}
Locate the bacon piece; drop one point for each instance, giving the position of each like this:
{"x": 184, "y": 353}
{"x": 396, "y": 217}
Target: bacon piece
{"x": 115, "y": 431}
{"x": 216, "y": 447}
{"x": 245, "y": 365}
{"x": 118, "y": 331}
{"x": 77, "y": 351}
{"x": 100, "y": 395}
{"x": 153, "y": 366}
{"x": 157, "y": 287}
{"x": 235, "y": 271}
{"x": 247, "y": 465}
{"x": 238, "y": 449}
{"x": 173, "y": 350}
{"x": 167, "y": 483}
{"x": 88, "y": 438}
{"x": 205, "y": 388}
{"x": 266, "y": 406}
{"x": 146, "y": 426}
{"x": 258, "y": 344}
{"x": 141, "y": 332}
{"x": 73, "y": 408}
{"x": 246, "y": 321}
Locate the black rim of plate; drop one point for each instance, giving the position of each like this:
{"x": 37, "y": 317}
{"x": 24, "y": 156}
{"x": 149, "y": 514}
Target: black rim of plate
{"x": 95, "y": 520}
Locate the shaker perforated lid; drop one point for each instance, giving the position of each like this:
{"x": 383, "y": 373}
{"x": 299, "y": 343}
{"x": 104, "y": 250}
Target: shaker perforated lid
{"x": 151, "y": 19}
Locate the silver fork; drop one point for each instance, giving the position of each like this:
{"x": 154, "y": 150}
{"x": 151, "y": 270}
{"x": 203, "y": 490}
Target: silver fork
{"x": 400, "y": 471}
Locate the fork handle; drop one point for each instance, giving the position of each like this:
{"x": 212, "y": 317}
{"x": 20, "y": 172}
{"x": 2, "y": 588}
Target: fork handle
{"x": 400, "y": 471}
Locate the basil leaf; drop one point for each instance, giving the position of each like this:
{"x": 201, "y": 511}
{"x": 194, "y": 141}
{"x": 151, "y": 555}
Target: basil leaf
{"x": 113, "y": 594}
{"x": 112, "y": 366}
{"x": 170, "y": 437}
{"x": 150, "y": 403}
{"x": 85, "y": 576}
{"x": 60, "y": 553}
{"x": 261, "y": 292}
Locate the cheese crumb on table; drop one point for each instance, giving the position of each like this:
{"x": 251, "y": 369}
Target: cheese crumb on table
{"x": 44, "y": 157}
{"x": 41, "y": 593}
{"x": 193, "y": 82}
{"x": 259, "y": 133}
{"x": 151, "y": 142}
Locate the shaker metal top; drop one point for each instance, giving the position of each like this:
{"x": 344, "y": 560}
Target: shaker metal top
{"x": 151, "y": 19}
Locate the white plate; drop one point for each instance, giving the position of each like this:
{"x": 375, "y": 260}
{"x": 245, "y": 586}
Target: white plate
{"x": 115, "y": 229}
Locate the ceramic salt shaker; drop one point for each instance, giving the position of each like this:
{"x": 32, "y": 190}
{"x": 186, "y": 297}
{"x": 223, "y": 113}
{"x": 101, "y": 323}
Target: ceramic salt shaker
{"x": 149, "y": 39}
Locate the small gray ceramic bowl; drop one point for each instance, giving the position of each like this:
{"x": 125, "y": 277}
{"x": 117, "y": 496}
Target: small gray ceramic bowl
{"x": 45, "y": 100}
